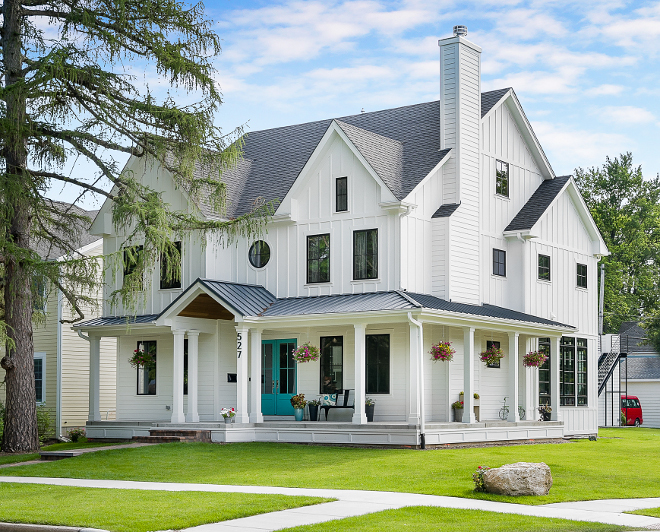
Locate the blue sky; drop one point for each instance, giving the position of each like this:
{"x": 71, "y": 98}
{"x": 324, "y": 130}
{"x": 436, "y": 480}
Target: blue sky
{"x": 586, "y": 72}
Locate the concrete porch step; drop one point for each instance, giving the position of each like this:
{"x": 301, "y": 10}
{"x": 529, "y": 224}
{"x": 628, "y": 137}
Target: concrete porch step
{"x": 175, "y": 435}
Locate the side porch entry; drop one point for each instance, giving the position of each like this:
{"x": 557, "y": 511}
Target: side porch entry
{"x": 278, "y": 377}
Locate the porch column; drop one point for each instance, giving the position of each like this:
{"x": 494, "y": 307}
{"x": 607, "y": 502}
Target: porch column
{"x": 468, "y": 375}
{"x": 177, "y": 378}
{"x": 193, "y": 350}
{"x": 255, "y": 377}
{"x": 242, "y": 374}
{"x": 513, "y": 377}
{"x": 94, "y": 378}
{"x": 359, "y": 416}
{"x": 531, "y": 377}
{"x": 413, "y": 398}
{"x": 554, "y": 378}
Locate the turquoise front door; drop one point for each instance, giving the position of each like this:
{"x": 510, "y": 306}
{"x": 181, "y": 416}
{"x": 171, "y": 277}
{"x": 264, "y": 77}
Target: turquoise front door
{"x": 278, "y": 377}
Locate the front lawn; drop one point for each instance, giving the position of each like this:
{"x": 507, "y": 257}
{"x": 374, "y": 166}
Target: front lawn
{"x": 651, "y": 512}
{"x": 618, "y": 465}
{"x": 83, "y": 444}
{"x": 133, "y": 510}
{"x": 425, "y": 519}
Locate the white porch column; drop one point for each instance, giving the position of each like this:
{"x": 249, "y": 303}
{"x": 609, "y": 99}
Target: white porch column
{"x": 359, "y": 416}
{"x": 414, "y": 389}
{"x": 177, "y": 378}
{"x": 242, "y": 374}
{"x": 513, "y": 377}
{"x": 531, "y": 379}
{"x": 468, "y": 375}
{"x": 255, "y": 377}
{"x": 94, "y": 378}
{"x": 193, "y": 393}
{"x": 554, "y": 378}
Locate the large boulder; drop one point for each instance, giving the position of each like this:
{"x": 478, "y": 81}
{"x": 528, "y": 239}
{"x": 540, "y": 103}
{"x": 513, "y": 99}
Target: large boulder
{"x": 521, "y": 478}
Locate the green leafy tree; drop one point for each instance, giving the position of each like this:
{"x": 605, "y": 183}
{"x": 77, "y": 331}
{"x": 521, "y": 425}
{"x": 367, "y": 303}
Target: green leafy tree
{"x": 626, "y": 209}
{"x": 67, "y": 94}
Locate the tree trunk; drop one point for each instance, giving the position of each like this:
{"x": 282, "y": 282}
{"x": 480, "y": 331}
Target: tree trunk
{"x": 20, "y": 430}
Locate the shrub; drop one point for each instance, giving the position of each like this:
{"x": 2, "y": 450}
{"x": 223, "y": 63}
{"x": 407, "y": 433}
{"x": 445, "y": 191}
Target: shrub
{"x": 478, "y": 477}
{"x": 44, "y": 425}
{"x": 76, "y": 434}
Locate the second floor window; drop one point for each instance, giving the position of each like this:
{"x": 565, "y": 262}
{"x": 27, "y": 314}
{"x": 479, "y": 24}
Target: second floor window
{"x": 170, "y": 269}
{"x": 133, "y": 259}
{"x": 544, "y": 268}
{"x": 582, "y": 275}
{"x": 318, "y": 259}
{"x": 502, "y": 178}
{"x": 499, "y": 262}
{"x": 365, "y": 254}
{"x": 341, "y": 203}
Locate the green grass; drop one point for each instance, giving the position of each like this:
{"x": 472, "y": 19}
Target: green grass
{"x": 81, "y": 444}
{"x": 425, "y": 519}
{"x": 651, "y": 512}
{"x": 577, "y": 468}
{"x": 133, "y": 510}
{"x": 13, "y": 458}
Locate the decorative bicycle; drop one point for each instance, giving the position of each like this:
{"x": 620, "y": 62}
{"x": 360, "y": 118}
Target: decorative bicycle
{"x": 504, "y": 411}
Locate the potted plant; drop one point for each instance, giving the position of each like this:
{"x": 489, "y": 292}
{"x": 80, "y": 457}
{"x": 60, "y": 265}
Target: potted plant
{"x": 475, "y": 395}
{"x": 313, "y": 407}
{"x": 76, "y": 434}
{"x": 142, "y": 358}
{"x": 369, "y": 405}
{"x": 228, "y": 414}
{"x": 442, "y": 351}
{"x": 458, "y": 410}
{"x": 306, "y": 353}
{"x": 492, "y": 356}
{"x": 545, "y": 411}
{"x": 298, "y": 403}
{"x": 534, "y": 359}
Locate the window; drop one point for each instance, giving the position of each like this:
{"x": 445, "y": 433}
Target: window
{"x": 582, "y": 398}
{"x": 39, "y": 294}
{"x": 544, "y": 373}
{"x": 332, "y": 364}
{"x": 146, "y": 375}
{"x": 496, "y": 345}
{"x": 365, "y": 254}
{"x": 40, "y": 377}
{"x": 378, "y": 363}
{"x": 502, "y": 178}
{"x": 259, "y": 254}
{"x": 170, "y": 276}
{"x": 567, "y": 372}
{"x": 133, "y": 258}
{"x": 499, "y": 262}
{"x": 185, "y": 366}
{"x": 318, "y": 259}
{"x": 582, "y": 275}
{"x": 341, "y": 203}
{"x": 544, "y": 267}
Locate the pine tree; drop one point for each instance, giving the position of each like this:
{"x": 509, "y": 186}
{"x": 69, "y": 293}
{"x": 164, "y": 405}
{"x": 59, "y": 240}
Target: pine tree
{"x": 67, "y": 94}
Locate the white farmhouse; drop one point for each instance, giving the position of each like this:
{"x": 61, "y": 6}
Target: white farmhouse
{"x": 395, "y": 230}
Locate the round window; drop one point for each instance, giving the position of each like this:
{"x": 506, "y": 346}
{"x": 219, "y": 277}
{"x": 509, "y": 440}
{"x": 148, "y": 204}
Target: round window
{"x": 259, "y": 254}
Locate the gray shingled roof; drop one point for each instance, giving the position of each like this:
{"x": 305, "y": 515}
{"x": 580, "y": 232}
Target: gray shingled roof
{"x": 631, "y": 339}
{"x": 537, "y": 204}
{"x": 490, "y": 98}
{"x": 641, "y": 367}
{"x": 78, "y": 236}
{"x": 446, "y": 210}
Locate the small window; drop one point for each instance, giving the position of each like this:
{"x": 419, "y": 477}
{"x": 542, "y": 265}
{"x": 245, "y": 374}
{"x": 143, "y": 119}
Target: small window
{"x": 146, "y": 375}
{"x": 133, "y": 257}
{"x": 582, "y": 275}
{"x": 39, "y": 294}
{"x": 259, "y": 254}
{"x": 341, "y": 203}
{"x": 502, "y": 178}
{"x": 332, "y": 364}
{"x": 496, "y": 345}
{"x": 318, "y": 259}
{"x": 582, "y": 398}
{"x": 499, "y": 262}
{"x": 378, "y": 363}
{"x": 185, "y": 366}
{"x": 567, "y": 371}
{"x": 365, "y": 254}
{"x": 544, "y": 373}
{"x": 544, "y": 267}
{"x": 40, "y": 377}
{"x": 170, "y": 276}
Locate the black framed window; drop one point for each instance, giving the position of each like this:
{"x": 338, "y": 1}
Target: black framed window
{"x": 170, "y": 269}
{"x": 544, "y": 373}
{"x": 133, "y": 257}
{"x": 499, "y": 262}
{"x": 567, "y": 371}
{"x": 582, "y": 275}
{"x": 378, "y": 363}
{"x": 581, "y": 376}
{"x": 39, "y": 379}
{"x": 185, "y": 366}
{"x": 341, "y": 194}
{"x": 365, "y": 254}
{"x": 332, "y": 364}
{"x": 318, "y": 259}
{"x": 496, "y": 345}
{"x": 146, "y": 375}
{"x": 39, "y": 293}
{"x": 502, "y": 178}
{"x": 259, "y": 254}
{"x": 544, "y": 267}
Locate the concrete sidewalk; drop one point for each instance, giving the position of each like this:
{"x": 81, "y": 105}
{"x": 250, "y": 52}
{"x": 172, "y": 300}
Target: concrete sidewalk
{"x": 351, "y": 503}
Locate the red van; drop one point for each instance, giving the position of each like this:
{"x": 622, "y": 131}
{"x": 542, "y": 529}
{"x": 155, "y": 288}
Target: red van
{"x": 632, "y": 409}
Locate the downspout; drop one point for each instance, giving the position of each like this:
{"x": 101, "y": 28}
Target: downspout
{"x": 400, "y": 243}
{"x": 420, "y": 380}
{"x": 58, "y": 396}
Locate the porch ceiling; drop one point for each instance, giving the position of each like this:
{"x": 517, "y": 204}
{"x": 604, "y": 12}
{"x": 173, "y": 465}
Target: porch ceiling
{"x": 204, "y": 306}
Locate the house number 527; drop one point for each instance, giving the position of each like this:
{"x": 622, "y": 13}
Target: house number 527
{"x": 239, "y": 344}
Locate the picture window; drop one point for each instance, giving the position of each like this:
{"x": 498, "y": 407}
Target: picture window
{"x": 341, "y": 196}
{"x": 133, "y": 258}
{"x": 378, "y": 363}
{"x": 365, "y": 254}
{"x": 171, "y": 278}
{"x": 146, "y": 375}
{"x": 332, "y": 364}
{"x": 502, "y": 178}
{"x": 318, "y": 259}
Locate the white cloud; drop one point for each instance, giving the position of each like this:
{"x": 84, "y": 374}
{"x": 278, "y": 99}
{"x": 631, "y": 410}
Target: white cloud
{"x": 605, "y": 90}
{"x": 626, "y": 114}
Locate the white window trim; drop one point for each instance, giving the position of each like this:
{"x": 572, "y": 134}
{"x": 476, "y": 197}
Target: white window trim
{"x": 253, "y": 267}
{"x": 42, "y": 357}
{"x": 538, "y": 279}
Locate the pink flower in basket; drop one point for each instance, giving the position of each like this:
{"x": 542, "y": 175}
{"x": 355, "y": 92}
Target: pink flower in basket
{"x": 442, "y": 351}
{"x": 534, "y": 359}
{"x": 306, "y": 353}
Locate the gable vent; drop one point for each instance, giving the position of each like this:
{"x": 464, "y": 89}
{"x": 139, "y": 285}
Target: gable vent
{"x": 460, "y": 31}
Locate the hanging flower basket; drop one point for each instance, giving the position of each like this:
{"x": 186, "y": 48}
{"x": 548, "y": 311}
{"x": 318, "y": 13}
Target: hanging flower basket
{"x": 306, "y": 353}
{"x": 442, "y": 351}
{"x": 492, "y": 355}
{"x": 534, "y": 359}
{"x": 142, "y": 358}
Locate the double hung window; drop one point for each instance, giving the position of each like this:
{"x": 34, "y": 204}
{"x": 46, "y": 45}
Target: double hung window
{"x": 341, "y": 194}
{"x": 378, "y": 363}
{"x": 544, "y": 267}
{"x": 499, "y": 262}
{"x": 133, "y": 258}
{"x": 582, "y": 275}
{"x": 40, "y": 377}
{"x": 318, "y": 259}
{"x": 365, "y": 254}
